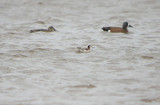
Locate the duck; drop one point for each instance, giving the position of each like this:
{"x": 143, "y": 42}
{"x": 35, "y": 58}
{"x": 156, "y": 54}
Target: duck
{"x": 122, "y": 29}
{"x": 50, "y": 29}
{"x": 84, "y": 50}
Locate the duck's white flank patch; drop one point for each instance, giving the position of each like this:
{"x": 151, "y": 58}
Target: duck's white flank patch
{"x": 109, "y": 31}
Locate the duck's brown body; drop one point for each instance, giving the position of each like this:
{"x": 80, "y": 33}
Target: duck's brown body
{"x": 115, "y": 29}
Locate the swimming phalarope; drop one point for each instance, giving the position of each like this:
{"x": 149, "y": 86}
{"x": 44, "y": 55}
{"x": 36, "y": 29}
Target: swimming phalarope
{"x": 50, "y": 29}
{"x": 84, "y": 50}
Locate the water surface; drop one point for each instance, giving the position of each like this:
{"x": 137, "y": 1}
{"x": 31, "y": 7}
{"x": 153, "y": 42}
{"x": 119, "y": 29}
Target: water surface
{"x": 45, "y": 69}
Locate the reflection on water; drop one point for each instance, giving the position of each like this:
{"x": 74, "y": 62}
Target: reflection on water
{"x": 45, "y": 69}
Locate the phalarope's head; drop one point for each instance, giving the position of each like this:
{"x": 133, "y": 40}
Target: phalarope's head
{"x": 89, "y": 46}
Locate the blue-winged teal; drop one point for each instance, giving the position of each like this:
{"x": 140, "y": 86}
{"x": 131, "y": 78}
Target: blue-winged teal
{"x": 122, "y": 29}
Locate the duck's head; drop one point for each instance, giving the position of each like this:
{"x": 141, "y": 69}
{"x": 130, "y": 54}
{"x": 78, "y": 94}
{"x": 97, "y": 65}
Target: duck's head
{"x": 125, "y": 25}
{"x": 51, "y": 28}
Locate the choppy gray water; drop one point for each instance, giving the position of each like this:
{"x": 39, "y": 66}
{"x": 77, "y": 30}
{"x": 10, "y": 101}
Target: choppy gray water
{"x": 44, "y": 68}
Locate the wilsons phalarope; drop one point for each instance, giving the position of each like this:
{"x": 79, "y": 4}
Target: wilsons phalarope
{"x": 84, "y": 50}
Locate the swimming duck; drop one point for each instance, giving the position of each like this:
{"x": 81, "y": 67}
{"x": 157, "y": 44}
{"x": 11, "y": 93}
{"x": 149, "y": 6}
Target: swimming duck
{"x": 84, "y": 50}
{"x": 50, "y": 29}
{"x": 122, "y": 29}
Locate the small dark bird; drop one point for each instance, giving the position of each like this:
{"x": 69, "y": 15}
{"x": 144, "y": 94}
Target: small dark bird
{"x": 50, "y": 29}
